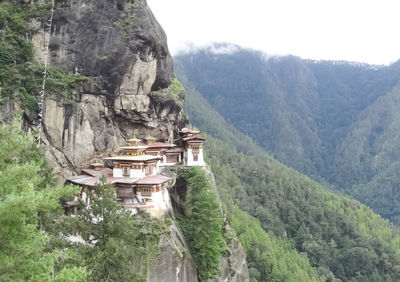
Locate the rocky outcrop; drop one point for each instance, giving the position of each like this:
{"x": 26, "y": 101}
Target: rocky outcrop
{"x": 121, "y": 49}
{"x": 233, "y": 265}
{"x": 174, "y": 262}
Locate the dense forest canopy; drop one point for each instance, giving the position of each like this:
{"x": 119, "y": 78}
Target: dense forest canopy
{"x": 334, "y": 121}
{"x": 201, "y": 222}
{"x": 28, "y": 197}
{"x": 342, "y": 238}
{"x": 37, "y": 237}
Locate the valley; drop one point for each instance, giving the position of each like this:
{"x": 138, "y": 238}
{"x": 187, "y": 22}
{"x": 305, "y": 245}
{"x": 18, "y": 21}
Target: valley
{"x": 333, "y": 121}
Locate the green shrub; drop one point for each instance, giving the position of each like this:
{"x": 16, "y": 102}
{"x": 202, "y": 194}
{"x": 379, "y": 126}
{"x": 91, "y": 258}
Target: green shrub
{"x": 203, "y": 224}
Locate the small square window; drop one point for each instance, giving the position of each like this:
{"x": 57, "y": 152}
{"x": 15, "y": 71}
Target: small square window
{"x": 125, "y": 171}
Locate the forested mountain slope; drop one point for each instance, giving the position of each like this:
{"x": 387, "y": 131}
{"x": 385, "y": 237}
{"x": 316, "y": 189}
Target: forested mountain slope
{"x": 312, "y": 116}
{"x": 342, "y": 238}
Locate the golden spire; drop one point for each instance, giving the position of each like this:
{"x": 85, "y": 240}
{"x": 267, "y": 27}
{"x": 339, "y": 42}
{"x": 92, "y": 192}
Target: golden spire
{"x": 149, "y": 140}
{"x": 133, "y": 141}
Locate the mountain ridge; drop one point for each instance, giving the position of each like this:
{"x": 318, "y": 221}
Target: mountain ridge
{"x": 304, "y": 112}
{"x": 286, "y": 207}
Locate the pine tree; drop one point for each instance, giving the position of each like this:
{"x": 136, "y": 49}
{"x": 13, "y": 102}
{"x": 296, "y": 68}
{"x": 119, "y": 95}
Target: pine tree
{"x": 117, "y": 241}
{"x": 24, "y": 196}
{"x": 206, "y": 240}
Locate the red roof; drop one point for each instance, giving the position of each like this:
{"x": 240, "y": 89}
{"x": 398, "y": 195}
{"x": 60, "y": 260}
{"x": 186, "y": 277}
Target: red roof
{"x": 153, "y": 179}
{"x": 186, "y": 131}
{"x": 92, "y": 181}
{"x": 85, "y": 180}
{"x": 124, "y": 180}
{"x": 175, "y": 150}
{"x": 134, "y": 159}
{"x": 192, "y": 138}
{"x": 99, "y": 173}
{"x": 160, "y": 145}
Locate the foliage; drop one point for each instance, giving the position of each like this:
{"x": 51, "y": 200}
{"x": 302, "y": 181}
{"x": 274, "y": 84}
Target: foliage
{"x": 37, "y": 239}
{"x": 25, "y": 197}
{"x": 342, "y": 238}
{"x": 20, "y": 74}
{"x": 202, "y": 225}
{"x": 17, "y": 74}
{"x": 18, "y": 149}
{"x": 62, "y": 84}
{"x": 176, "y": 89}
{"x": 333, "y": 231}
{"x": 334, "y": 121}
{"x": 116, "y": 242}
{"x": 203, "y": 115}
{"x": 269, "y": 258}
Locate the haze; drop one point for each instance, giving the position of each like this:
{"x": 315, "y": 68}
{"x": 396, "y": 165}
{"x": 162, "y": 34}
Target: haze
{"x": 363, "y": 31}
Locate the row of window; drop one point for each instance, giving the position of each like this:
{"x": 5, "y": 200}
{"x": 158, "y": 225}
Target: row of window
{"x": 172, "y": 158}
{"x": 126, "y": 170}
{"x": 146, "y": 191}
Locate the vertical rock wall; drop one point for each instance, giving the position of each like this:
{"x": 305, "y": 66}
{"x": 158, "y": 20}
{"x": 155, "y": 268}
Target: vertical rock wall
{"x": 233, "y": 267}
{"x": 174, "y": 262}
{"x": 122, "y": 50}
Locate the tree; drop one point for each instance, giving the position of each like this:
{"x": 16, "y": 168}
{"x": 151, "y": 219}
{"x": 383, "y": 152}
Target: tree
{"x": 340, "y": 236}
{"x": 203, "y": 224}
{"x": 116, "y": 241}
{"x": 23, "y": 198}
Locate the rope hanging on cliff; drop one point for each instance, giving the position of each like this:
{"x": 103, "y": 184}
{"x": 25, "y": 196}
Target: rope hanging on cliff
{"x": 46, "y": 32}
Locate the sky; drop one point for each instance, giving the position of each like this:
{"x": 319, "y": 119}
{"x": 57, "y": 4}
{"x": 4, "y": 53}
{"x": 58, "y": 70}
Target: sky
{"x": 351, "y": 30}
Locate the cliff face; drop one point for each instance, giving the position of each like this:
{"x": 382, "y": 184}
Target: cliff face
{"x": 233, "y": 265}
{"x": 174, "y": 262}
{"x": 122, "y": 50}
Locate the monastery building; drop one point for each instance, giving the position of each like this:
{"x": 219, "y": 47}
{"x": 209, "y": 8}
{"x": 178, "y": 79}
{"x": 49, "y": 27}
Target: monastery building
{"x": 135, "y": 172}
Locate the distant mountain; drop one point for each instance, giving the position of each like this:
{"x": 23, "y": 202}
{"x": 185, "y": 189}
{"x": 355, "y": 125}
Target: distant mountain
{"x": 334, "y": 121}
{"x": 300, "y": 232}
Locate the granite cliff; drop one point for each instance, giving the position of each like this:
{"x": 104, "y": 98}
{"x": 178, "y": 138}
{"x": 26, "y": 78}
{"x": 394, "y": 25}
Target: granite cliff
{"x": 122, "y": 51}
{"x": 232, "y": 264}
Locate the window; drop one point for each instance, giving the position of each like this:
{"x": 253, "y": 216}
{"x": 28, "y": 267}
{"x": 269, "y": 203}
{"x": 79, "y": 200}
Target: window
{"x": 149, "y": 170}
{"x": 172, "y": 158}
{"x": 195, "y": 157}
{"x": 125, "y": 171}
{"x": 146, "y": 191}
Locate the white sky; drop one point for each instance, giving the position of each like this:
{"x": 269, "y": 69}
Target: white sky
{"x": 353, "y": 30}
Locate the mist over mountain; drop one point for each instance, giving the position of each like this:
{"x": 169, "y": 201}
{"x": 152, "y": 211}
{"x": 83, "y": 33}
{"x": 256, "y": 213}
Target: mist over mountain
{"x": 334, "y": 121}
{"x": 292, "y": 228}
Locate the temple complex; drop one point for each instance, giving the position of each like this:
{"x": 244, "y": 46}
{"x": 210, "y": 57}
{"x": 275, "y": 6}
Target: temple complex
{"x": 135, "y": 171}
{"x": 192, "y": 146}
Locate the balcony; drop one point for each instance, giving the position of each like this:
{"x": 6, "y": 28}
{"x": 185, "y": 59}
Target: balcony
{"x": 124, "y": 194}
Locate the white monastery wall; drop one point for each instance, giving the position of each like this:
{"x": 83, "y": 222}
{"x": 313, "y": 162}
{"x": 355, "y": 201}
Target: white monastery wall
{"x": 117, "y": 172}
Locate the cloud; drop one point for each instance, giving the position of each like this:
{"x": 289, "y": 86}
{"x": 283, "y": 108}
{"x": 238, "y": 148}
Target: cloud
{"x": 357, "y": 30}
{"x": 212, "y": 47}
{"x": 223, "y": 48}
